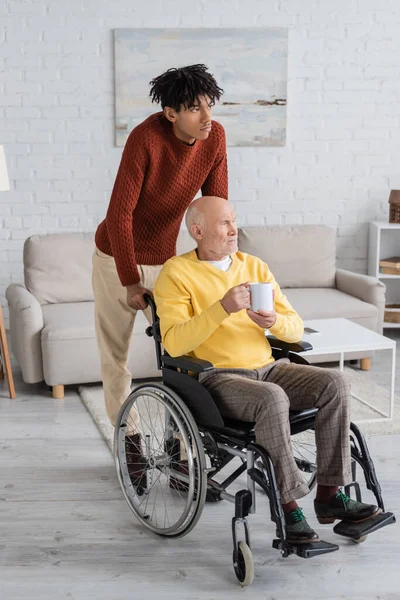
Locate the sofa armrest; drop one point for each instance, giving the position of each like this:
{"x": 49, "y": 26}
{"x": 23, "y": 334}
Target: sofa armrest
{"x": 364, "y": 287}
{"x": 26, "y": 324}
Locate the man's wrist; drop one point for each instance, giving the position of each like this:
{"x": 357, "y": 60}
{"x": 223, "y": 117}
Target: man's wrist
{"x": 224, "y": 307}
{"x": 133, "y": 286}
{"x": 275, "y": 322}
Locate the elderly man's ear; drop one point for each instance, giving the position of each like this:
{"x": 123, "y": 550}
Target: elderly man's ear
{"x": 197, "y": 232}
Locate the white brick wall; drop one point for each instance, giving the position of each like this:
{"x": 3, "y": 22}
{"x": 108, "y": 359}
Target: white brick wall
{"x": 56, "y": 115}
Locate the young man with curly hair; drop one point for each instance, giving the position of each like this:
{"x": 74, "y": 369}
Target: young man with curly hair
{"x": 167, "y": 159}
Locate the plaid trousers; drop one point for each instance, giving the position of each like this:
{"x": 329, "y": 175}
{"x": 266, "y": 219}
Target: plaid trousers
{"x": 264, "y": 397}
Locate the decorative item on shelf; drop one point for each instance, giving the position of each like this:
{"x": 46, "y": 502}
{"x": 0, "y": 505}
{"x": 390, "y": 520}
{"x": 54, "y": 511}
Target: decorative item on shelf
{"x": 394, "y": 202}
{"x": 392, "y": 313}
{"x": 390, "y": 266}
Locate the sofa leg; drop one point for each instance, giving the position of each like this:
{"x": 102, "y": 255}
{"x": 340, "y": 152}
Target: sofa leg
{"x": 58, "y": 392}
{"x": 365, "y": 364}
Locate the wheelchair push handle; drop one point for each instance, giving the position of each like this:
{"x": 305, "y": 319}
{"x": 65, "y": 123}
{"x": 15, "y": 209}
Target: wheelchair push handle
{"x": 150, "y": 301}
{"x": 150, "y": 329}
{"x": 153, "y": 330}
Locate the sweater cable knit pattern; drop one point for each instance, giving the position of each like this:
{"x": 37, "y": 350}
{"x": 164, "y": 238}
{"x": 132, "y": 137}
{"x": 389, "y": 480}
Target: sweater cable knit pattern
{"x": 157, "y": 179}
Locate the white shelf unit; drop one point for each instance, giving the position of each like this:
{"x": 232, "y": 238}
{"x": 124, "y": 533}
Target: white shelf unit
{"x": 384, "y": 242}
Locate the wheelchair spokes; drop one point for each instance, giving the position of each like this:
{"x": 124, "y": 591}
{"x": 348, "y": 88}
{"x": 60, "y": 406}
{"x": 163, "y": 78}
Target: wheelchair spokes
{"x": 167, "y": 495}
{"x": 305, "y": 455}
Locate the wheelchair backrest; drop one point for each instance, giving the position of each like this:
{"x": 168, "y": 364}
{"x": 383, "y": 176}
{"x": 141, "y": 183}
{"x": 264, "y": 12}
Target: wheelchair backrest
{"x": 195, "y": 396}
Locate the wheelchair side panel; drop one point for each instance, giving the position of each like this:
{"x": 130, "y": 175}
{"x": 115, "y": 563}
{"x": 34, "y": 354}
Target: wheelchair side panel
{"x": 196, "y": 397}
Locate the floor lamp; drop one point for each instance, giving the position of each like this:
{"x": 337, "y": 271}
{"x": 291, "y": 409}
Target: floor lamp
{"x": 5, "y": 364}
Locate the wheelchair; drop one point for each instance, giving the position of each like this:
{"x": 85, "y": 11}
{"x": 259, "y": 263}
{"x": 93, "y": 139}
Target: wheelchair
{"x": 185, "y": 443}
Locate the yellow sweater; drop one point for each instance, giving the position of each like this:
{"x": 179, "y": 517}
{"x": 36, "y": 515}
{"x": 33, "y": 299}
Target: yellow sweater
{"x": 193, "y": 321}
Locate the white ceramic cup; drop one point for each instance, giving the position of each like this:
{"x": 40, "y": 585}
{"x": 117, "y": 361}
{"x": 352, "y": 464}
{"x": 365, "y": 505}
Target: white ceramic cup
{"x": 261, "y": 297}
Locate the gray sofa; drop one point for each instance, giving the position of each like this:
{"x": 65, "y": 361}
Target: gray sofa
{"x": 52, "y": 316}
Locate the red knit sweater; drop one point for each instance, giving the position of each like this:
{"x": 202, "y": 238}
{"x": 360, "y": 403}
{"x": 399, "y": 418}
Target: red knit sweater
{"x": 157, "y": 179}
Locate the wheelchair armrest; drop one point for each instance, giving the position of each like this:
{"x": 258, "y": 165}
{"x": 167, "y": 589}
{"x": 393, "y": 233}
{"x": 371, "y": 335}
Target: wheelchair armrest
{"x": 196, "y": 365}
{"x": 287, "y": 347}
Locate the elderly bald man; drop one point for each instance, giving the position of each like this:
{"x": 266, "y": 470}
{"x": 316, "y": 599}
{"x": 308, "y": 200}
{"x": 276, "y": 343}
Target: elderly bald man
{"x": 203, "y": 302}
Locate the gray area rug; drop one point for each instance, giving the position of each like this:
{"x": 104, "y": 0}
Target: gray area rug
{"x": 361, "y": 385}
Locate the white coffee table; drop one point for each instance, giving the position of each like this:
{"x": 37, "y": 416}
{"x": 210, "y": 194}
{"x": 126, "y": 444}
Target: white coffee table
{"x": 341, "y": 337}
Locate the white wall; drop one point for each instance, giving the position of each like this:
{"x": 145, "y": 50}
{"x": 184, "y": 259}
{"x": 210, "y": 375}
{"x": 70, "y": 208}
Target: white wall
{"x": 56, "y": 115}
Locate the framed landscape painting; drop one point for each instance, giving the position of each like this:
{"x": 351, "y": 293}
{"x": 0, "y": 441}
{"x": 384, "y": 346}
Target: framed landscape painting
{"x": 249, "y": 64}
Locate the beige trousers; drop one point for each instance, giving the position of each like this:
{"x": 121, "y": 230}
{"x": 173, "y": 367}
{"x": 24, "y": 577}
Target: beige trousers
{"x": 114, "y": 321}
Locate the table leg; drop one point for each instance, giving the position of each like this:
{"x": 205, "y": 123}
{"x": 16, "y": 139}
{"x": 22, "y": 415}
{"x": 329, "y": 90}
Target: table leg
{"x": 387, "y": 417}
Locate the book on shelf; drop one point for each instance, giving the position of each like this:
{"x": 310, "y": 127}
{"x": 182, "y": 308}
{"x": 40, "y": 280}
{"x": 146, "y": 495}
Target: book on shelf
{"x": 389, "y": 271}
{"x": 393, "y": 262}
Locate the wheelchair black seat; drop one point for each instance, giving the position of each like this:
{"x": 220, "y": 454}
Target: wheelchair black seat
{"x": 246, "y": 430}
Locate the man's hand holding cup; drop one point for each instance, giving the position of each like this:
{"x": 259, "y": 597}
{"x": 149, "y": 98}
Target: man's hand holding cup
{"x": 262, "y": 309}
{"x": 237, "y": 298}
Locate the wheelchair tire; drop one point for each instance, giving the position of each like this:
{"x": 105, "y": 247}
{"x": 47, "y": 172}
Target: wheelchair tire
{"x": 244, "y": 565}
{"x": 172, "y": 500}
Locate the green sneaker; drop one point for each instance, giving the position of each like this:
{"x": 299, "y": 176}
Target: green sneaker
{"x": 343, "y": 508}
{"x": 298, "y": 530}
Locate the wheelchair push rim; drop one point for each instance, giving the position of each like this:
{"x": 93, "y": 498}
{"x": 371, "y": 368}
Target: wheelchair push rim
{"x": 172, "y": 498}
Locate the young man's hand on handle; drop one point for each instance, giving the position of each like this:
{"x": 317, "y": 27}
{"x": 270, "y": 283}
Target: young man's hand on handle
{"x": 237, "y": 298}
{"x": 134, "y": 296}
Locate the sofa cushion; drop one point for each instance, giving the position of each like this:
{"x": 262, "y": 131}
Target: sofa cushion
{"x": 68, "y": 321}
{"x": 325, "y": 303}
{"x": 299, "y": 256}
{"x": 75, "y": 321}
{"x": 69, "y": 347}
{"x": 58, "y": 267}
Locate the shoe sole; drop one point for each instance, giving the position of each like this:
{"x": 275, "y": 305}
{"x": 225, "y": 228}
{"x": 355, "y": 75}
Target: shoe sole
{"x": 330, "y": 520}
{"x": 304, "y": 541}
{"x": 309, "y": 541}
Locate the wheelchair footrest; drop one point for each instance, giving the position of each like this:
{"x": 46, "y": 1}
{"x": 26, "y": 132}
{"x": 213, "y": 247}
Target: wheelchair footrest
{"x": 306, "y": 550}
{"x": 357, "y": 530}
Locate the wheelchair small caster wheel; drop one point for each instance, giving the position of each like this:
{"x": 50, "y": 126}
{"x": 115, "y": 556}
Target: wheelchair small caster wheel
{"x": 359, "y": 540}
{"x": 140, "y": 490}
{"x": 244, "y": 565}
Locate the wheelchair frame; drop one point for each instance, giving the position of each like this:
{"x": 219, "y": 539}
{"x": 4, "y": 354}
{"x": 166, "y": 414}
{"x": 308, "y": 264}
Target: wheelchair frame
{"x": 224, "y": 439}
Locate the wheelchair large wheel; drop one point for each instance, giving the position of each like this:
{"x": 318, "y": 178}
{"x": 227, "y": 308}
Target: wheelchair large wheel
{"x": 305, "y": 455}
{"x": 169, "y": 496}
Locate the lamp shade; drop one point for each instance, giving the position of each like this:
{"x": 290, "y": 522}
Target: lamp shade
{"x": 4, "y": 182}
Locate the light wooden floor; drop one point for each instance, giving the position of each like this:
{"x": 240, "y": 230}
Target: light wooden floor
{"x": 66, "y": 531}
